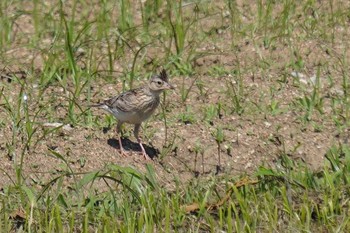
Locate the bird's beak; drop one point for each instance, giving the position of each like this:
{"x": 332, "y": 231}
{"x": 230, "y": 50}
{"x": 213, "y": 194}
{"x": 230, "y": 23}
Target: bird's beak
{"x": 171, "y": 87}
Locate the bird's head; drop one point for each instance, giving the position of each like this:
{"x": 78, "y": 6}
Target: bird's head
{"x": 159, "y": 82}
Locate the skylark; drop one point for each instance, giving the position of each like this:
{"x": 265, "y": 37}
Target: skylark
{"x": 136, "y": 105}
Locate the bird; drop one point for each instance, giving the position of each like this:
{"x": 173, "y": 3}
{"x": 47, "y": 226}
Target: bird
{"x": 136, "y": 105}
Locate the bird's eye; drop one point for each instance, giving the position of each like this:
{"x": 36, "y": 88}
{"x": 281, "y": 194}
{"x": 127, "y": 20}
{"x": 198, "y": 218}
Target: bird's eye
{"x": 159, "y": 82}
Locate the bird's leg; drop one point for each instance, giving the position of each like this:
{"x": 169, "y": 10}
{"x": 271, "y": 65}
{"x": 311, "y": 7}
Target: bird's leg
{"x": 119, "y": 127}
{"x": 136, "y": 133}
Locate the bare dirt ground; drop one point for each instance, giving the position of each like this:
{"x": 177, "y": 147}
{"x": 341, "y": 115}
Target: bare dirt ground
{"x": 252, "y": 139}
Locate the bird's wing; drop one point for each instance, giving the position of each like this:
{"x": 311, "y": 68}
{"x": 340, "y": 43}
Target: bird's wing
{"x": 127, "y": 102}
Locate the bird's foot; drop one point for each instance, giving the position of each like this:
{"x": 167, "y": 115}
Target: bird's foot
{"x": 123, "y": 152}
{"x": 145, "y": 155}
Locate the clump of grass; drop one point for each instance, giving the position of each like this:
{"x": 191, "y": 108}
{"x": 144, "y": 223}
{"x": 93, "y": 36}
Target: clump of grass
{"x": 312, "y": 101}
{"x": 236, "y": 94}
{"x": 7, "y": 23}
{"x": 219, "y": 137}
{"x": 236, "y": 20}
{"x": 188, "y": 116}
{"x": 198, "y": 149}
{"x": 125, "y": 17}
{"x": 177, "y": 24}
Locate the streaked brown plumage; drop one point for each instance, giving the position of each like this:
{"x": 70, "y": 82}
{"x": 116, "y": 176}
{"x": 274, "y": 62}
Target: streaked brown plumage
{"x": 137, "y": 105}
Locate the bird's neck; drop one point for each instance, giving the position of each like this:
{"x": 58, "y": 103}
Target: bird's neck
{"x": 155, "y": 93}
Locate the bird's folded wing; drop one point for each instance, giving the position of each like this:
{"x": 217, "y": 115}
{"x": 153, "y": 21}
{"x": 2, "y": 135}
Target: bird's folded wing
{"x": 127, "y": 102}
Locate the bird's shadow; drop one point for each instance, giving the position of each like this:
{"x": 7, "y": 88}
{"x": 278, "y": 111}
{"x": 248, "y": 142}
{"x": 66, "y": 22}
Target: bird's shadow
{"x": 131, "y": 146}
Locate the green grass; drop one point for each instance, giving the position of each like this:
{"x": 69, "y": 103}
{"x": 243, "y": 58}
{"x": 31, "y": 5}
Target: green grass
{"x": 135, "y": 202}
{"x": 241, "y": 55}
